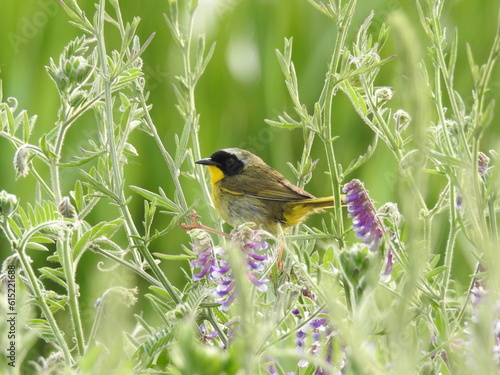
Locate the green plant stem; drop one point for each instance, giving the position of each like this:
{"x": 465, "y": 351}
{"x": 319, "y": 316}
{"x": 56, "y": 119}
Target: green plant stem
{"x": 306, "y": 153}
{"x": 192, "y": 119}
{"x": 43, "y": 184}
{"x": 117, "y": 187}
{"x": 174, "y": 171}
{"x": 95, "y": 325}
{"x": 450, "y": 244}
{"x": 128, "y": 265}
{"x": 478, "y": 217}
{"x": 482, "y": 85}
{"x": 64, "y": 250}
{"x": 37, "y": 291}
{"x": 54, "y": 168}
{"x": 392, "y": 143}
{"x": 461, "y": 314}
{"x": 116, "y": 171}
{"x": 108, "y": 101}
{"x": 447, "y": 75}
{"x": 326, "y": 102}
{"x": 88, "y": 208}
{"x": 493, "y": 221}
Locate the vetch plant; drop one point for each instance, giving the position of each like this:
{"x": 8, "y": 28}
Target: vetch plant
{"x": 376, "y": 288}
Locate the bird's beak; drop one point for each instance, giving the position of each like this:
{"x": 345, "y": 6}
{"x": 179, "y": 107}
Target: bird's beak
{"x": 207, "y": 161}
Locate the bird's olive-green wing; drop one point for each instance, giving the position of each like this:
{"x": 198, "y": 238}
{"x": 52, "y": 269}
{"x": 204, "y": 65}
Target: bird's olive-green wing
{"x": 270, "y": 185}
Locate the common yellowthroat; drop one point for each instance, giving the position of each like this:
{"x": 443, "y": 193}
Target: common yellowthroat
{"x": 246, "y": 189}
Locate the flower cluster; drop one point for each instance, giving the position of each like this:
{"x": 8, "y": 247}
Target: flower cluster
{"x": 313, "y": 339}
{"x": 320, "y": 332}
{"x": 366, "y": 224}
{"x": 367, "y": 221}
{"x": 214, "y": 265}
{"x": 251, "y": 243}
{"x": 204, "y": 251}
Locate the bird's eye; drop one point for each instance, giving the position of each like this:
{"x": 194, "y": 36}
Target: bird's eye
{"x": 230, "y": 161}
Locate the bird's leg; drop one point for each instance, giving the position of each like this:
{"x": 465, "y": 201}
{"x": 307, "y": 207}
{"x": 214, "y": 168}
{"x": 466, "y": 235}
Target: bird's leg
{"x": 195, "y": 224}
{"x": 281, "y": 237}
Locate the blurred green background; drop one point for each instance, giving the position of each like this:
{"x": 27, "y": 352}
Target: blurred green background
{"x": 242, "y": 86}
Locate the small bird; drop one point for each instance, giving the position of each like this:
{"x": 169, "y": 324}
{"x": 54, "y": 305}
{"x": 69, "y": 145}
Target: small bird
{"x": 246, "y": 189}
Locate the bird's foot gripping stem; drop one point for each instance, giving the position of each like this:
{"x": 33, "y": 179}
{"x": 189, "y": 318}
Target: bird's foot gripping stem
{"x": 195, "y": 224}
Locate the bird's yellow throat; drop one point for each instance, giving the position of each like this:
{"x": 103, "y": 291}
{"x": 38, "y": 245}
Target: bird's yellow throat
{"x": 215, "y": 174}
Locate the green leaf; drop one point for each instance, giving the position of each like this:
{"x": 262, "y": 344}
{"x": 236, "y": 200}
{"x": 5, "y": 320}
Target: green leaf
{"x": 26, "y": 127}
{"x": 36, "y": 246}
{"x": 162, "y": 292}
{"x": 161, "y": 200}
{"x": 356, "y": 98}
{"x": 173, "y": 256}
{"x": 362, "y": 159}
{"x": 42, "y": 239}
{"x": 54, "y": 258}
{"x": 13, "y": 225}
{"x": 97, "y": 183}
{"x": 78, "y": 196}
{"x": 101, "y": 229}
{"x": 77, "y": 161}
{"x": 54, "y": 305}
{"x": 160, "y": 302}
{"x": 56, "y": 275}
{"x": 42, "y": 329}
{"x": 473, "y": 67}
{"x": 434, "y": 261}
{"x": 10, "y": 120}
{"x": 435, "y": 271}
{"x": 45, "y": 147}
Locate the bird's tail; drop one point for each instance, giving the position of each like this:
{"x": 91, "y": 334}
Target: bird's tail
{"x": 300, "y": 209}
{"x": 325, "y": 202}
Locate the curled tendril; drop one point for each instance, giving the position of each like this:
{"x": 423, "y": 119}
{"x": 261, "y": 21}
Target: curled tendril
{"x": 100, "y": 267}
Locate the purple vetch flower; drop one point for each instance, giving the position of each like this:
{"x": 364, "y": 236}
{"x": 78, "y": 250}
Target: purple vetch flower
{"x": 205, "y": 253}
{"x": 272, "y": 370}
{"x": 250, "y": 241}
{"x": 206, "y": 336}
{"x": 214, "y": 266}
{"x": 477, "y": 294}
{"x": 482, "y": 163}
{"x": 300, "y": 336}
{"x": 259, "y": 284}
{"x": 318, "y": 323}
{"x": 314, "y": 338}
{"x": 366, "y": 224}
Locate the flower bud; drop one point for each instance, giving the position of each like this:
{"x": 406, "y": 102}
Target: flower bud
{"x": 403, "y": 119}
{"x": 66, "y": 209}
{"x": 8, "y": 203}
{"x": 21, "y": 161}
{"x": 383, "y": 94}
{"x": 390, "y": 212}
